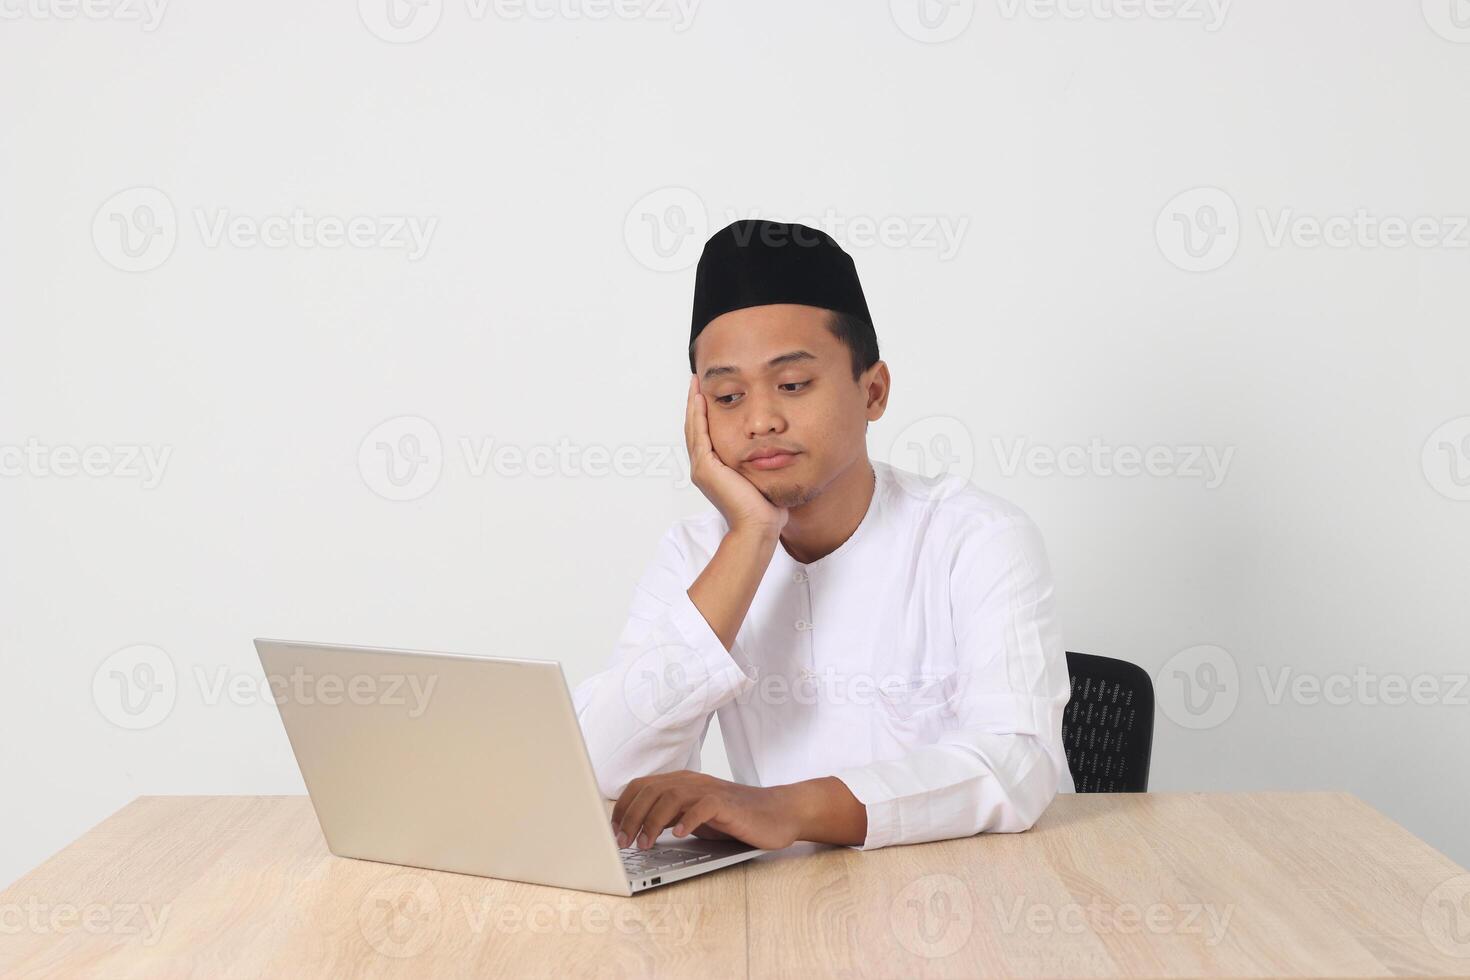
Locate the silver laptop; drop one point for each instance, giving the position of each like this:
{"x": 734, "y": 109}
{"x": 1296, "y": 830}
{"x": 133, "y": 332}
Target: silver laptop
{"x": 459, "y": 763}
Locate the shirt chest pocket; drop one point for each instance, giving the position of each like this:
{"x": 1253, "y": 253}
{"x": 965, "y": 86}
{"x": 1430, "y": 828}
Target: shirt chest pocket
{"x": 918, "y": 704}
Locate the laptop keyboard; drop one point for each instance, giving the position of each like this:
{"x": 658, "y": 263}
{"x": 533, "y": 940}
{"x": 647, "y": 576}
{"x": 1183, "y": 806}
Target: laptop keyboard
{"x": 657, "y": 859}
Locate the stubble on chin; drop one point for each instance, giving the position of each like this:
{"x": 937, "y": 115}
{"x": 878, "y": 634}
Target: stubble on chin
{"x": 791, "y": 495}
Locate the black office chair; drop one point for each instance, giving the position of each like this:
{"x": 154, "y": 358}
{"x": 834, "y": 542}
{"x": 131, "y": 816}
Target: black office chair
{"x": 1108, "y": 728}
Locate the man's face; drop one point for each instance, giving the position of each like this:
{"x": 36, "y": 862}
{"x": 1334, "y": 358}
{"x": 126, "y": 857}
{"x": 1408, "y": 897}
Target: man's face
{"x": 776, "y": 378}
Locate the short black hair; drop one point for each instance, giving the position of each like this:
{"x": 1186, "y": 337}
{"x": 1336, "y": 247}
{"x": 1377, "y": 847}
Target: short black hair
{"x": 860, "y": 339}
{"x": 856, "y": 334}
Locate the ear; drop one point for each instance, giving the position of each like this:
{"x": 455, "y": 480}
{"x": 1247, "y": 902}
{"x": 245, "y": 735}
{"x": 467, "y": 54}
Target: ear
{"x": 876, "y": 385}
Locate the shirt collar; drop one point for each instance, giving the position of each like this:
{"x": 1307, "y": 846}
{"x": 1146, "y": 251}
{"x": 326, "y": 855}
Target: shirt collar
{"x": 871, "y": 518}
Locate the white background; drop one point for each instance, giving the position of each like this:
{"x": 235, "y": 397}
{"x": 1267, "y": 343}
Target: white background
{"x": 546, "y": 149}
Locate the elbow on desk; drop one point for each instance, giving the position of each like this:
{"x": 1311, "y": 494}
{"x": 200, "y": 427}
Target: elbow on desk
{"x": 1029, "y": 798}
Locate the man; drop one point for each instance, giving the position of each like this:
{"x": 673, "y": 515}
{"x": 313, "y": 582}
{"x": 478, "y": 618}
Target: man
{"x": 882, "y": 651}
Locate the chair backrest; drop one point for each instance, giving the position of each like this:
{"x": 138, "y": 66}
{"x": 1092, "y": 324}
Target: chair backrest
{"x": 1108, "y": 728}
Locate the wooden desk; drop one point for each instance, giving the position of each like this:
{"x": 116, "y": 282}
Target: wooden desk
{"x": 1167, "y": 884}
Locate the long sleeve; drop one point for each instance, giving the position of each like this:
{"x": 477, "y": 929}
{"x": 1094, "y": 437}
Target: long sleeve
{"x": 649, "y": 709}
{"x": 1001, "y": 762}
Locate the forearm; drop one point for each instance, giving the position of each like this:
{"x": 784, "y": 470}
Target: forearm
{"x": 826, "y": 811}
{"x": 725, "y": 589}
{"x": 648, "y": 710}
{"x": 967, "y": 783}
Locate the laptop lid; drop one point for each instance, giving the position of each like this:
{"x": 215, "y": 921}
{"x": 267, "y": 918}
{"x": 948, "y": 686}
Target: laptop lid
{"x": 445, "y": 761}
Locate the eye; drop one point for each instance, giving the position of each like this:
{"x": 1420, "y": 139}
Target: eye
{"x": 794, "y": 386}
{"x": 727, "y": 399}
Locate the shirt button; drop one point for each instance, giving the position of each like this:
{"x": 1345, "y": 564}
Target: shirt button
{"x": 802, "y": 624}
{"x": 807, "y": 673}
{"x": 798, "y": 577}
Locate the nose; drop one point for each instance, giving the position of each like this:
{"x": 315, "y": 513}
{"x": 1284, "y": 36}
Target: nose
{"x": 763, "y": 416}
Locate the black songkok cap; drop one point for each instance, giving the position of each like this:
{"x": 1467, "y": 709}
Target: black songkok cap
{"x": 756, "y": 263}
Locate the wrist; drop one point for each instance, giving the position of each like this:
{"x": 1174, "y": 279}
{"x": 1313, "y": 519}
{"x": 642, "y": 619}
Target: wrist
{"x": 794, "y": 800}
{"x": 757, "y": 535}
{"x": 824, "y": 810}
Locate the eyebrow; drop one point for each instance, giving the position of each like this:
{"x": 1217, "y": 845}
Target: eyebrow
{"x": 720, "y": 370}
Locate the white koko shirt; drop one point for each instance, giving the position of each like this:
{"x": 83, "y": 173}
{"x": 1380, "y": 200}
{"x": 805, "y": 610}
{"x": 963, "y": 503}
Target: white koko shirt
{"x": 920, "y": 663}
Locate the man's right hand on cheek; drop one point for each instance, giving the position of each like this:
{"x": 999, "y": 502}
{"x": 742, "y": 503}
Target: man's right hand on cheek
{"x": 724, "y": 590}
{"x": 741, "y": 503}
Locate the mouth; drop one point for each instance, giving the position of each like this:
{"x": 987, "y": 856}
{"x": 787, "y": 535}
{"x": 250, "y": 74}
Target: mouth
{"x": 771, "y": 459}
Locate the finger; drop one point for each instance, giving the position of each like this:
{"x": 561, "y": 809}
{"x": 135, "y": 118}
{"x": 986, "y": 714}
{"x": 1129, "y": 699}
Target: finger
{"x": 701, "y": 423}
{"x": 703, "y": 809}
{"x": 629, "y": 791}
{"x": 689, "y": 410}
{"x": 706, "y": 832}
{"x": 637, "y": 810}
{"x": 669, "y": 806}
